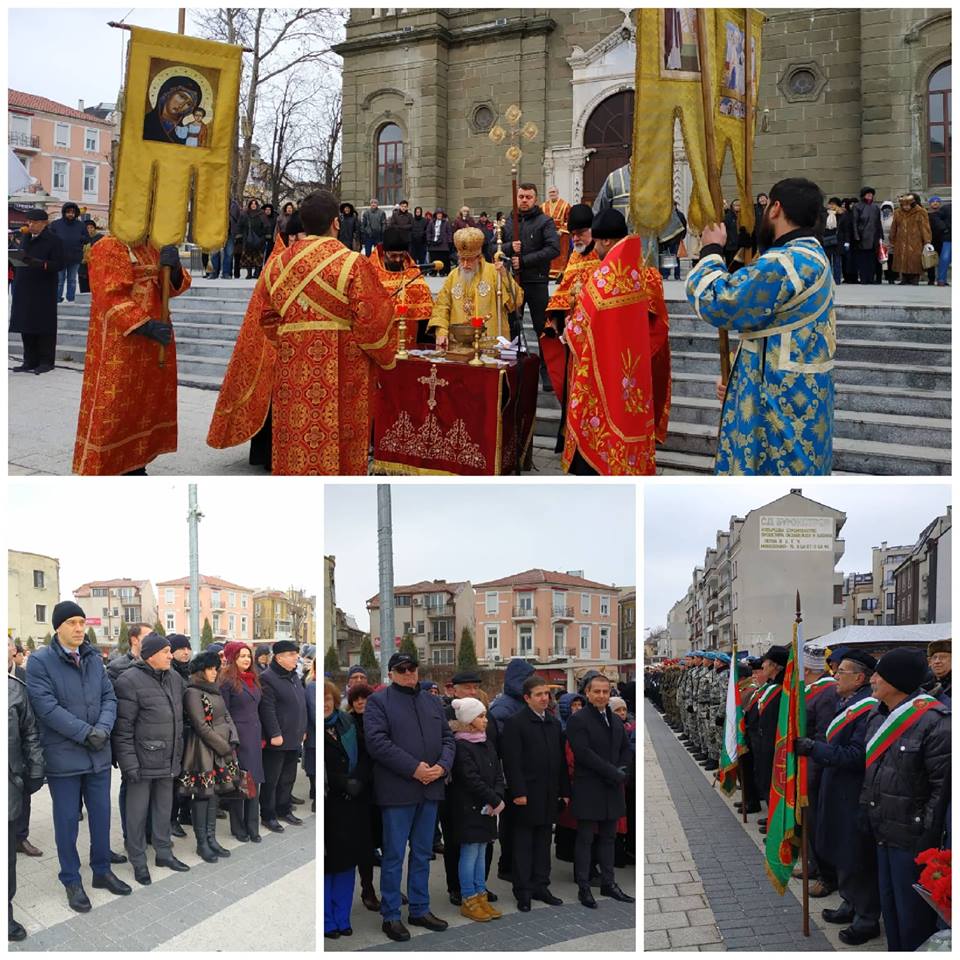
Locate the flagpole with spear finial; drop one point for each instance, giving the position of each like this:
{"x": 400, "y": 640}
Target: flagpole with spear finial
{"x": 802, "y": 792}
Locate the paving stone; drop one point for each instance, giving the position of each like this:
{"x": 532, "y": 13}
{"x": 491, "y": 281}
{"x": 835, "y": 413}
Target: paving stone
{"x": 665, "y": 921}
{"x": 656, "y": 940}
{"x": 691, "y": 936}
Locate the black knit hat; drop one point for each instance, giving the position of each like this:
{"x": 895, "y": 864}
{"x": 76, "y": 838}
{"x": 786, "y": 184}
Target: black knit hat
{"x": 579, "y": 217}
{"x": 64, "y": 610}
{"x": 394, "y": 241}
{"x": 285, "y": 646}
{"x": 904, "y": 668}
{"x": 36, "y": 214}
{"x": 865, "y": 190}
{"x": 203, "y": 661}
{"x": 609, "y": 224}
{"x": 152, "y": 643}
{"x": 779, "y": 655}
{"x": 178, "y": 642}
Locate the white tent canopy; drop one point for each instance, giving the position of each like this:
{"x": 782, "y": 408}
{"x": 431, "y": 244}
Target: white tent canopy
{"x": 17, "y": 177}
{"x": 868, "y": 636}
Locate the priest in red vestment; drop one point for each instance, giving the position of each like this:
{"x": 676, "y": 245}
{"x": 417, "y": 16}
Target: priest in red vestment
{"x": 396, "y": 269}
{"x": 128, "y": 402}
{"x": 619, "y": 387}
{"x": 558, "y": 208}
{"x": 333, "y": 326}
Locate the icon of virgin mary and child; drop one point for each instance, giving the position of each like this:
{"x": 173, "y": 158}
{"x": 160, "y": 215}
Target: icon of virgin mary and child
{"x": 178, "y": 116}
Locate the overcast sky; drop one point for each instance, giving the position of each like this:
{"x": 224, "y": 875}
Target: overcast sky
{"x": 106, "y": 528}
{"x": 681, "y": 521}
{"x": 471, "y": 532}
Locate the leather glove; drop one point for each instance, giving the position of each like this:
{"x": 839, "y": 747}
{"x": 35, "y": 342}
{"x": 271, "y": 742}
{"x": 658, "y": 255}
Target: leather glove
{"x": 133, "y": 777}
{"x": 156, "y": 330}
{"x": 96, "y": 739}
{"x": 353, "y": 788}
{"x": 33, "y": 784}
{"x": 719, "y": 721}
{"x": 170, "y": 257}
{"x": 804, "y": 746}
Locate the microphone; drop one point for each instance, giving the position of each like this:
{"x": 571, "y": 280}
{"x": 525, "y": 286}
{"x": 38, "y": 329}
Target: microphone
{"x": 436, "y": 265}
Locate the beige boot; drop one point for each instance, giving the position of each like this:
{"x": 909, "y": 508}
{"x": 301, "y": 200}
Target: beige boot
{"x": 492, "y": 911}
{"x": 472, "y": 909}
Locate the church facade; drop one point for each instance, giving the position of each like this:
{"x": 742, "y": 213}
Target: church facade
{"x": 846, "y": 97}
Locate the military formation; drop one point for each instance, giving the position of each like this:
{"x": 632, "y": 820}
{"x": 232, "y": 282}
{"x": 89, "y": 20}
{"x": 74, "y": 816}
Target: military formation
{"x": 878, "y": 743}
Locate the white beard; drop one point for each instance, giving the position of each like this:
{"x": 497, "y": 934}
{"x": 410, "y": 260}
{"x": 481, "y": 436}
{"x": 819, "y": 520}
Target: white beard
{"x": 580, "y": 247}
{"x": 466, "y": 276}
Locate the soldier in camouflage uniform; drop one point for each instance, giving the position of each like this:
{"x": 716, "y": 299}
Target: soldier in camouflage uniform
{"x": 705, "y": 706}
{"x": 695, "y": 710}
{"x": 687, "y": 696}
{"x": 671, "y": 679}
{"x": 718, "y": 709}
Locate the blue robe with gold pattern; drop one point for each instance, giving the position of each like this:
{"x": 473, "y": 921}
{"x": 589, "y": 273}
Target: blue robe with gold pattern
{"x": 777, "y": 416}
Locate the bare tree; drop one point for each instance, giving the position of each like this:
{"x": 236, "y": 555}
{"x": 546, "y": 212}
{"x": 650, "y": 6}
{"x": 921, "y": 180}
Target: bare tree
{"x": 292, "y": 134}
{"x": 328, "y": 154}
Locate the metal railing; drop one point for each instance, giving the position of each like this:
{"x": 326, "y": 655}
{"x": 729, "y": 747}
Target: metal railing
{"x": 524, "y": 613}
{"x": 561, "y": 613}
{"x": 15, "y": 139}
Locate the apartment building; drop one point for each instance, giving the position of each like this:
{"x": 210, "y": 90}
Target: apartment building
{"x": 627, "y": 624}
{"x": 546, "y": 615}
{"x": 433, "y": 612}
{"x": 33, "y": 590}
{"x": 279, "y": 615}
{"x": 329, "y": 601}
{"x": 110, "y": 603}
{"x": 349, "y": 638}
{"x": 923, "y": 579}
{"x": 228, "y": 606}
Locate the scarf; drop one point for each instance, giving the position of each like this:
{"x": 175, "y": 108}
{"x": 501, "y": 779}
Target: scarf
{"x": 341, "y": 726}
{"x": 247, "y": 676}
{"x": 471, "y": 736}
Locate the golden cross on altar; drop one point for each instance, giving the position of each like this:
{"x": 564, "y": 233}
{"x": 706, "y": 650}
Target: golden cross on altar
{"x": 433, "y": 382}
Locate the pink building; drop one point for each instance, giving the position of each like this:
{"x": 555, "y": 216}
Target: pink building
{"x": 67, "y": 150}
{"x": 546, "y": 615}
{"x": 228, "y": 607}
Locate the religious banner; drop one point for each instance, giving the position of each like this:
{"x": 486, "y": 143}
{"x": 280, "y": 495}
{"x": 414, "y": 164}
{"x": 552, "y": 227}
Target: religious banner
{"x": 668, "y": 85}
{"x": 177, "y": 140}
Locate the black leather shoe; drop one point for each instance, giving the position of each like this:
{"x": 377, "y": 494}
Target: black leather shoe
{"x": 753, "y": 808}
{"x": 585, "y": 896}
{"x": 110, "y": 881}
{"x": 711, "y": 765}
{"x": 762, "y": 822}
{"x": 77, "y": 898}
{"x": 333, "y": 934}
{"x": 26, "y": 847}
{"x": 254, "y": 837}
{"x": 117, "y": 857}
{"x": 854, "y": 936}
{"x": 492, "y": 897}
{"x": 456, "y": 899}
{"x": 545, "y": 896}
{"x": 176, "y": 830}
{"x": 346, "y": 932}
{"x": 429, "y": 921}
{"x": 172, "y": 863}
{"x": 274, "y": 826}
{"x": 615, "y": 893}
{"x": 292, "y": 819}
{"x": 43, "y": 368}
{"x": 523, "y": 905}
{"x": 394, "y": 929}
{"x": 15, "y": 931}
{"x": 763, "y": 828}
{"x": 142, "y": 876}
{"x": 843, "y": 914}
{"x": 296, "y": 801}
{"x": 21, "y": 369}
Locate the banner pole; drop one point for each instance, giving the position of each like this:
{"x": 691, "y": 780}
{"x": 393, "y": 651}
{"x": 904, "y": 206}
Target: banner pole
{"x": 804, "y": 832}
{"x": 748, "y": 116}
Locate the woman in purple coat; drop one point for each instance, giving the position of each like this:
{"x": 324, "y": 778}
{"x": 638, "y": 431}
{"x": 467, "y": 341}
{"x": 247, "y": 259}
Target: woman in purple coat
{"x": 242, "y": 693}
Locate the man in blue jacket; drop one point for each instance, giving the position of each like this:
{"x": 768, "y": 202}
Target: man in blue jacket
{"x": 412, "y": 747}
{"x": 76, "y": 709}
{"x": 71, "y": 232}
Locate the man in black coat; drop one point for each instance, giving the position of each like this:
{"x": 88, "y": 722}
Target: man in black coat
{"x": 601, "y": 765}
{"x": 939, "y": 658}
{"x": 402, "y": 219}
{"x": 842, "y": 842}
{"x": 531, "y": 256}
{"x": 537, "y": 781}
{"x": 283, "y": 716}
{"x": 71, "y": 231}
{"x": 906, "y": 789}
{"x": 867, "y": 234}
{"x": 148, "y": 747}
{"x": 33, "y": 311}
{"x": 768, "y": 708}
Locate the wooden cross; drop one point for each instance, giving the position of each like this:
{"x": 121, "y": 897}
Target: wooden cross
{"x": 433, "y": 382}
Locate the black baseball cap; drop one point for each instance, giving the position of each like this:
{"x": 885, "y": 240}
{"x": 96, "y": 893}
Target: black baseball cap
{"x": 402, "y": 660}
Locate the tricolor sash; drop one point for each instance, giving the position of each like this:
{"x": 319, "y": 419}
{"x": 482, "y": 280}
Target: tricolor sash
{"x": 847, "y": 717}
{"x": 900, "y": 720}
{"x": 767, "y": 696}
{"x": 818, "y": 686}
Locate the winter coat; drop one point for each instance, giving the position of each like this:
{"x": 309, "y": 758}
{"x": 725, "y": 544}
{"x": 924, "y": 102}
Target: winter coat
{"x": 418, "y": 230}
{"x": 940, "y": 226}
{"x": 767, "y": 737}
{"x": 148, "y": 736}
{"x": 252, "y": 230}
{"x": 372, "y": 224}
{"x": 841, "y": 827}
{"x": 119, "y": 664}
{"x": 243, "y": 705}
{"x": 534, "y": 766}
{"x": 511, "y": 701}
{"x": 402, "y": 729}
{"x": 909, "y": 233}
{"x": 539, "y": 244}
{"x": 24, "y": 756}
{"x": 347, "y": 820}
{"x": 69, "y": 701}
{"x": 444, "y": 241}
{"x": 477, "y": 781}
{"x": 599, "y": 748}
{"x": 310, "y": 744}
{"x": 208, "y": 745}
{"x": 70, "y": 233}
{"x": 867, "y": 230}
{"x": 403, "y": 222}
{"x": 906, "y": 791}
{"x": 844, "y": 227}
{"x": 450, "y": 714}
{"x": 34, "y": 306}
{"x": 565, "y": 706}
{"x": 283, "y": 709}
{"x": 820, "y": 711}
{"x": 349, "y": 230}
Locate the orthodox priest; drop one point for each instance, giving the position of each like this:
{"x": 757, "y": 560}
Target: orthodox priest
{"x": 558, "y": 208}
{"x": 777, "y": 413}
{"x": 404, "y": 281}
{"x": 471, "y": 290}
{"x": 128, "y": 402}
{"x": 618, "y": 339}
{"x": 333, "y": 325}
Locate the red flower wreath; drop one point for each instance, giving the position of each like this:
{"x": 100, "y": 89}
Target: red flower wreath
{"x": 935, "y": 877}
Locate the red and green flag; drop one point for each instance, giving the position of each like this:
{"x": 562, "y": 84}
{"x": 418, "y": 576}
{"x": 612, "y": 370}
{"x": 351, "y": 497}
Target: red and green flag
{"x": 733, "y": 733}
{"x": 788, "y": 786}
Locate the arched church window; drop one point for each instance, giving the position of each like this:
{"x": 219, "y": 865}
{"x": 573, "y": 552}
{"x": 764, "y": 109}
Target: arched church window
{"x": 389, "y": 164}
{"x": 939, "y": 127}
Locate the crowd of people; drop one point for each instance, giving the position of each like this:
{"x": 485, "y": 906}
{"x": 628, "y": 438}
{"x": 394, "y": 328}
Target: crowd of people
{"x": 413, "y": 773}
{"x": 196, "y": 737}
{"x": 878, "y": 743}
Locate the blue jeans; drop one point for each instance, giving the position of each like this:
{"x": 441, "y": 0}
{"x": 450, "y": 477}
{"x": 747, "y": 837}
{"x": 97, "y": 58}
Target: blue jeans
{"x": 836, "y": 262}
{"x": 337, "y": 899}
{"x": 907, "y": 920}
{"x": 226, "y": 255}
{"x": 473, "y": 869}
{"x": 66, "y": 793}
{"x": 68, "y": 274}
{"x": 413, "y": 823}
{"x": 944, "y": 265}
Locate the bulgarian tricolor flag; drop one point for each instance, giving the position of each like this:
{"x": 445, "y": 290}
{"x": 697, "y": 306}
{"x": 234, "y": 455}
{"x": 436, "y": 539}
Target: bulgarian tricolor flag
{"x": 732, "y": 731}
{"x": 788, "y": 786}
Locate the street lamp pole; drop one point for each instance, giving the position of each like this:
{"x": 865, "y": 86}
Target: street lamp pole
{"x": 194, "y": 516}
{"x": 385, "y": 547}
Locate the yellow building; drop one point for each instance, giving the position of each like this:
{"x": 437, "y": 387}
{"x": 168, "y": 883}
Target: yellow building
{"x": 289, "y": 615}
{"x": 33, "y": 590}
